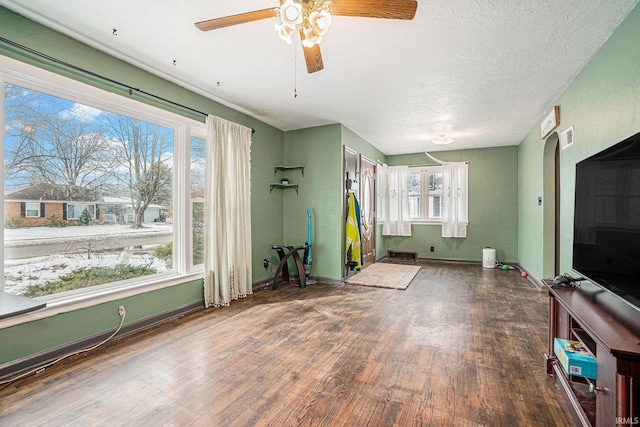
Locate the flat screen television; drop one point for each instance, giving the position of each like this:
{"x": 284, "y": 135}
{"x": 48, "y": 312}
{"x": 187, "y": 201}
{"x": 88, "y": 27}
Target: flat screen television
{"x": 606, "y": 235}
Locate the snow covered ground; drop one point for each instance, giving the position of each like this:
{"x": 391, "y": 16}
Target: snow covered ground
{"x": 20, "y": 273}
{"x": 36, "y": 233}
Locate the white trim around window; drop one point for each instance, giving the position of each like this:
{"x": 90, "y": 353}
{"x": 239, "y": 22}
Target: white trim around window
{"x": 425, "y": 194}
{"x": 32, "y": 209}
{"x": 19, "y": 73}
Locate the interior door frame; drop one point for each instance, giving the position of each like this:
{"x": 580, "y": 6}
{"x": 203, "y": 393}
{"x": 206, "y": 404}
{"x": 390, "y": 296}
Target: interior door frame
{"x": 551, "y": 207}
{"x": 364, "y": 159}
{"x": 346, "y": 152}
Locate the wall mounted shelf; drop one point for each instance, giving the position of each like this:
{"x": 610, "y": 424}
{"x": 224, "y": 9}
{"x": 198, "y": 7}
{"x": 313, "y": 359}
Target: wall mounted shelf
{"x": 283, "y": 186}
{"x": 286, "y": 168}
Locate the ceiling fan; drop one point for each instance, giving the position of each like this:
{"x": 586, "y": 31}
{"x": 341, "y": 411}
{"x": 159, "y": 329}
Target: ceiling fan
{"x": 312, "y": 18}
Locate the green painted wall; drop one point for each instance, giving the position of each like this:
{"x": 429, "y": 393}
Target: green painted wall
{"x": 603, "y": 103}
{"x": 357, "y": 143}
{"x": 267, "y": 209}
{"x": 493, "y": 198}
{"x": 320, "y": 152}
{"x": 26, "y": 339}
{"x": 266, "y": 151}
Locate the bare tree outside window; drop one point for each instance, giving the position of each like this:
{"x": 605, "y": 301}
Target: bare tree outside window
{"x": 144, "y": 161}
{"x": 52, "y": 144}
{"x": 197, "y": 183}
{"x": 86, "y": 195}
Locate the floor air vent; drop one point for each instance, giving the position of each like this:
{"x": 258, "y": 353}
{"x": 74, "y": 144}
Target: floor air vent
{"x": 403, "y": 256}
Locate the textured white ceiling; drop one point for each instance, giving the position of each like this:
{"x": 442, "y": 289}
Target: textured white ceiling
{"x": 482, "y": 72}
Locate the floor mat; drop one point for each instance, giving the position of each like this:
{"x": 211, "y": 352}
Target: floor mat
{"x": 384, "y": 275}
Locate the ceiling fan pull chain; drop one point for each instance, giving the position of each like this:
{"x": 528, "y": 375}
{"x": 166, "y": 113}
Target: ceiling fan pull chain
{"x": 295, "y": 73}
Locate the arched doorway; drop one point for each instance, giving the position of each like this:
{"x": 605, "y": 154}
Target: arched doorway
{"x": 551, "y": 207}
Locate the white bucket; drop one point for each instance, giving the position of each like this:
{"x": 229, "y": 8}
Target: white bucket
{"x": 489, "y": 258}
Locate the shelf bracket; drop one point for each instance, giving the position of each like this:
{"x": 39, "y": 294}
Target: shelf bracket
{"x": 272, "y": 186}
{"x": 277, "y": 168}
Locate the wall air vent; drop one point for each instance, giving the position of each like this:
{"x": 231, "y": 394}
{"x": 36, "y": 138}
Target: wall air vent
{"x": 567, "y": 138}
{"x": 403, "y": 256}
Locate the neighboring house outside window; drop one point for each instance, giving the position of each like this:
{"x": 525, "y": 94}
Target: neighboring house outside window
{"x": 40, "y": 204}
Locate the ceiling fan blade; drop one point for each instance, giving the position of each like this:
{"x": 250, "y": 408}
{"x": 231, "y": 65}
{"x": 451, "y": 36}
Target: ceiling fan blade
{"x": 389, "y": 9}
{"x": 312, "y": 57}
{"x": 241, "y": 18}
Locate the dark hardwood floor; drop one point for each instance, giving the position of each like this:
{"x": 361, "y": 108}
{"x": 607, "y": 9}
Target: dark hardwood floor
{"x": 462, "y": 346}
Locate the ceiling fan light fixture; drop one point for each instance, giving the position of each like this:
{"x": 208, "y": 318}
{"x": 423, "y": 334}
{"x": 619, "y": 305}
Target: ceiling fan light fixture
{"x": 311, "y": 37}
{"x": 310, "y": 17}
{"x": 285, "y": 32}
{"x": 320, "y": 21}
{"x": 291, "y": 14}
{"x": 442, "y": 140}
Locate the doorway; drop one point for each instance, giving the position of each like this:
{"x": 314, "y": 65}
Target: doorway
{"x": 350, "y": 167}
{"x": 368, "y": 209}
{"x": 360, "y": 179}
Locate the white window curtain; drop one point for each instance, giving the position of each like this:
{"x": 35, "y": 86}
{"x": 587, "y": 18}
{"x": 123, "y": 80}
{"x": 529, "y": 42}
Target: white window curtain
{"x": 381, "y": 193}
{"x": 455, "y": 199}
{"x": 395, "y": 204}
{"x": 227, "y": 226}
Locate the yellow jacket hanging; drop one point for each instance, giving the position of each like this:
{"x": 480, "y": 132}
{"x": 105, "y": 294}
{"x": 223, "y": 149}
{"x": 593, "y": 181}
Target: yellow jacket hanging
{"x": 352, "y": 234}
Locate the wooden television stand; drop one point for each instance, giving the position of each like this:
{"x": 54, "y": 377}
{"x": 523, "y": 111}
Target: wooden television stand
{"x": 610, "y": 329}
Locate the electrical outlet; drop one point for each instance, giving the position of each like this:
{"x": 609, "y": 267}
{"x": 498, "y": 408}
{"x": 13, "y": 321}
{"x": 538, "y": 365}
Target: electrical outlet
{"x": 433, "y": 248}
{"x": 121, "y": 311}
{"x": 265, "y": 263}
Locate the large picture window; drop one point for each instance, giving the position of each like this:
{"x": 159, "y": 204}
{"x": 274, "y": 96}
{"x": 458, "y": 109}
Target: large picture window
{"x": 89, "y": 189}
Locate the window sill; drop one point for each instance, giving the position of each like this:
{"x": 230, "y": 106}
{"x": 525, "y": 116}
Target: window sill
{"x": 58, "y": 304}
{"x": 380, "y": 223}
{"x": 15, "y": 305}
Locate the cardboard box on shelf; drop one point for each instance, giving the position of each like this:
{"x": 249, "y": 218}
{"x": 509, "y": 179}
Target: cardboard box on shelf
{"x": 575, "y": 358}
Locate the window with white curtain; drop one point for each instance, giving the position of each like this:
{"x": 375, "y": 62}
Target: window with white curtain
{"x": 393, "y": 193}
{"x": 455, "y": 199}
{"x": 436, "y": 195}
{"x": 425, "y": 194}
